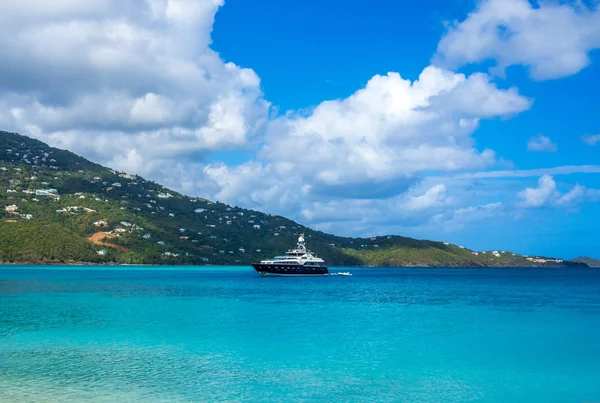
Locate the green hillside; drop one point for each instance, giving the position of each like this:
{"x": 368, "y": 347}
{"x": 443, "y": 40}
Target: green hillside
{"x": 52, "y": 201}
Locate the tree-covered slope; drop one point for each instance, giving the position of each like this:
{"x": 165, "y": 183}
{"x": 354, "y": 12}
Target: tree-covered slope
{"x": 53, "y": 202}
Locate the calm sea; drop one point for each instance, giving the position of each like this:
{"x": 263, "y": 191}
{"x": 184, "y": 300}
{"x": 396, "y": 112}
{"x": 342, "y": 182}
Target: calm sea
{"x": 225, "y": 334}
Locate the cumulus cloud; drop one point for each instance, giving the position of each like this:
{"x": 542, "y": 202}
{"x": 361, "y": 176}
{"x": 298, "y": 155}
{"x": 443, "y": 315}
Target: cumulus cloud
{"x": 553, "y": 39}
{"x": 541, "y": 143}
{"x": 539, "y": 196}
{"x": 434, "y": 196}
{"x": 128, "y": 83}
{"x": 591, "y": 140}
{"x": 376, "y": 143}
{"x": 546, "y": 194}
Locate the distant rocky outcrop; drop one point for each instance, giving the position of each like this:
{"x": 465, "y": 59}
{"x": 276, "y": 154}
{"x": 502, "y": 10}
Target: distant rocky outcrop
{"x": 590, "y": 261}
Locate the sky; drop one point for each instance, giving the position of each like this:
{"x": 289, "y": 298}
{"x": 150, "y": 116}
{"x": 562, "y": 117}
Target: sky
{"x": 472, "y": 122}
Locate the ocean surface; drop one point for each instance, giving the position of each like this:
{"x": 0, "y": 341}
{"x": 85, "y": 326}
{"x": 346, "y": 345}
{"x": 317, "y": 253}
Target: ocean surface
{"x": 147, "y": 334}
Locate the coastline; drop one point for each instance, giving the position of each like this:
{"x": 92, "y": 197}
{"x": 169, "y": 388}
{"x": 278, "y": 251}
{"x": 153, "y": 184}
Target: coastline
{"x": 126, "y": 265}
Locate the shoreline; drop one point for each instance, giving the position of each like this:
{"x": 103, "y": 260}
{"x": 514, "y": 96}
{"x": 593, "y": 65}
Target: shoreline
{"x": 190, "y": 266}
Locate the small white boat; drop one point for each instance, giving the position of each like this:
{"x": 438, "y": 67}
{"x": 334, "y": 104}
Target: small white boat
{"x": 344, "y": 273}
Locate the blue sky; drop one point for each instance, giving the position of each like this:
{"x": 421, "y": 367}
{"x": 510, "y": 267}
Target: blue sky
{"x": 474, "y": 122}
{"x": 332, "y": 50}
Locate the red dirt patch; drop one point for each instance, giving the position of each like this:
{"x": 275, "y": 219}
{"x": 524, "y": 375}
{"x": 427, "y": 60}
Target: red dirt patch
{"x": 98, "y": 238}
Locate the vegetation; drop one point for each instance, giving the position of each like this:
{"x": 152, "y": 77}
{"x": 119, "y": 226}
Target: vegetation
{"x": 53, "y": 204}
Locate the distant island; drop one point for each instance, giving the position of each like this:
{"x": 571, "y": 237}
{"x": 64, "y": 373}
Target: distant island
{"x": 57, "y": 207}
{"x": 591, "y": 262}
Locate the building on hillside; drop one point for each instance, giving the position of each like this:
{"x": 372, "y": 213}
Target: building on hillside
{"x": 103, "y": 252}
{"x": 11, "y": 209}
{"x": 46, "y": 192}
{"x": 256, "y": 226}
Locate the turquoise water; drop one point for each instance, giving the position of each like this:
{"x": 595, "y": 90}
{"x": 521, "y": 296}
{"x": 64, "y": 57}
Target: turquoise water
{"x": 225, "y": 334}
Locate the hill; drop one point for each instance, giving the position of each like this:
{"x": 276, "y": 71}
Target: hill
{"x": 590, "y": 261}
{"x": 57, "y": 207}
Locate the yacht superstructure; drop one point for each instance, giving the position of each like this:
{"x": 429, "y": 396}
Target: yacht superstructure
{"x": 296, "y": 262}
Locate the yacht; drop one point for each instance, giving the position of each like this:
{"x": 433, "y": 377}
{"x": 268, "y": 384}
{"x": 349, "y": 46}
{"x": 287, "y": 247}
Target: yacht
{"x": 296, "y": 262}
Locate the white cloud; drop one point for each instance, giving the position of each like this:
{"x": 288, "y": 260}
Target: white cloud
{"x": 573, "y": 196}
{"x": 525, "y": 173}
{"x": 132, "y": 84}
{"x": 434, "y": 196}
{"x": 591, "y": 140}
{"x": 368, "y": 216}
{"x": 456, "y": 220}
{"x": 552, "y": 39}
{"x": 537, "y": 197}
{"x": 546, "y": 194}
{"x": 390, "y": 129}
{"x": 373, "y": 147}
{"x": 541, "y": 143}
